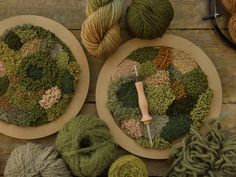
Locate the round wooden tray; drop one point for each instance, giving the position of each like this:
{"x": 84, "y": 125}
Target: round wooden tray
{"x": 110, "y": 66}
{"x": 80, "y": 95}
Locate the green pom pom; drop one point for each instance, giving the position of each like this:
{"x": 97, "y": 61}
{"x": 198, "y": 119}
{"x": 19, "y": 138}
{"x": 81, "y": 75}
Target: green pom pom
{"x": 176, "y": 127}
{"x": 202, "y": 108}
{"x": 195, "y": 82}
{"x": 4, "y": 83}
{"x": 12, "y": 40}
{"x": 128, "y": 166}
{"x": 159, "y": 98}
{"x": 67, "y": 82}
{"x": 147, "y": 69}
{"x": 183, "y": 105}
{"x": 149, "y": 18}
{"x": 144, "y": 54}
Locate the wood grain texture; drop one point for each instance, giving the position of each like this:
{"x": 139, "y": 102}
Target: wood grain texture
{"x": 188, "y": 13}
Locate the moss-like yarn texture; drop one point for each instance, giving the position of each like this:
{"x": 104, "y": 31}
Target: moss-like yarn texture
{"x": 158, "y": 143}
{"x": 12, "y": 40}
{"x": 86, "y": 145}
{"x": 195, "y": 82}
{"x": 119, "y": 96}
{"x": 4, "y": 83}
{"x": 32, "y": 160}
{"x": 144, "y": 54}
{"x": 147, "y": 69}
{"x": 128, "y": 166}
{"x": 202, "y": 108}
{"x": 150, "y": 18}
{"x": 212, "y": 155}
{"x": 159, "y": 98}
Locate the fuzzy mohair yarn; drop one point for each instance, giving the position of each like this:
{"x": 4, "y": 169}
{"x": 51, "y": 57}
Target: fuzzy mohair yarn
{"x": 33, "y": 160}
{"x": 86, "y": 146}
{"x": 150, "y": 18}
{"x": 128, "y": 166}
{"x": 101, "y": 31}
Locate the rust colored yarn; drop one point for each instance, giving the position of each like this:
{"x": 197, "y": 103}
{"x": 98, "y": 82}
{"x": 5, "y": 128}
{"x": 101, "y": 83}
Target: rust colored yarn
{"x": 232, "y": 28}
{"x": 101, "y": 31}
{"x": 230, "y": 5}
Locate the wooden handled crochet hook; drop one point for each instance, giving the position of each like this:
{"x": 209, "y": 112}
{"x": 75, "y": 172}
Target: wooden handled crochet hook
{"x": 143, "y": 105}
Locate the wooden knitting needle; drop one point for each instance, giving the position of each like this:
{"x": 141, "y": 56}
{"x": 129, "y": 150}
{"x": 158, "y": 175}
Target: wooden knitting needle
{"x": 143, "y": 105}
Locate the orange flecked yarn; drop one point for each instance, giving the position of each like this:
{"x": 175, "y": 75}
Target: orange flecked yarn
{"x": 178, "y": 88}
{"x": 4, "y": 103}
{"x": 164, "y": 58}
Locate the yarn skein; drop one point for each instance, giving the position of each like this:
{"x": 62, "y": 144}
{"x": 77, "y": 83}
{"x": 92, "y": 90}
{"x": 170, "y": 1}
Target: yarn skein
{"x": 86, "y": 145}
{"x": 230, "y": 5}
{"x": 100, "y": 31}
{"x": 232, "y": 28}
{"x": 128, "y": 166}
{"x": 150, "y": 18}
{"x": 33, "y": 160}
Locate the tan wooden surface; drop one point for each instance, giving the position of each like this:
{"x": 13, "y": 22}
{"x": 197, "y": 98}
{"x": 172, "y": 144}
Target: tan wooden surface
{"x": 187, "y": 23}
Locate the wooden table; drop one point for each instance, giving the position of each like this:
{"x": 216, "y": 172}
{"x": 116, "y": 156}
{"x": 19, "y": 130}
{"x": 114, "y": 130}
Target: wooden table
{"x": 187, "y": 23}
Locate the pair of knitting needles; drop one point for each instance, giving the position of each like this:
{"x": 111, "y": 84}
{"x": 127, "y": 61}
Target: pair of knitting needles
{"x": 143, "y": 105}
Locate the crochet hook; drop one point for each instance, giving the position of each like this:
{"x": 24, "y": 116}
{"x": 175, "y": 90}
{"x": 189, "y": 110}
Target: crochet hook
{"x": 143, "y": 105}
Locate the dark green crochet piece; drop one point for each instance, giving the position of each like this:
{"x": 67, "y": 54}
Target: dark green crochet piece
{"x": 67, "y": 82}
{"x": 183, "y": 105}
{"x": 12, "y": 40}
{"x": 144, "y": 54}
{"x": 195, "y": 82}
{"x": 176, "y": 127}
{"x": 127, "y": 94}
{"x": 4, "y": 83}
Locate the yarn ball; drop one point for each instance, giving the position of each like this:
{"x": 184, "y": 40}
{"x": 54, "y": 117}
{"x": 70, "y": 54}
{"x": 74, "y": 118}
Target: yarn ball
{"x": 86, "y": 145}
{"x": 232, "y": 27}
{"x": 128, "y": 166}
{"x": 230, "y": 5}
{"x": 100, "y": 31}
{"x": 33, "y": 160}
{"x": 150, "y": 18}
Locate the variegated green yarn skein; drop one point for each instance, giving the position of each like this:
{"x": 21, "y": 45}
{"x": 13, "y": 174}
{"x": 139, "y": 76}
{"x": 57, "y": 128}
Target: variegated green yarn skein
{"x": 128, "y": 166}
{"x": 101, "y": 31}
{"x": 149, "y": 19}
{"x": 33, "y": 160}
{"x": 86, "y": 145}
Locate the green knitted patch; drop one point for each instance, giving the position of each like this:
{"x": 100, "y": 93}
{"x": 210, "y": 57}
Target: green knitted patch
{"x": 12, "y": 40}
{"x": 4, "y": 83}
{"x": 147, "y": 69}
{"x": 144, "y": 54}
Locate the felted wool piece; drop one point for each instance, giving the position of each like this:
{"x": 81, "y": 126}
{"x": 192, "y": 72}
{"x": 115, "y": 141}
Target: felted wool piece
{"x": 147, "y": 69}
{"x": 116, "y": 106}
{"x": 128, "y": 166}
{"x": 101, "y": 31}
{"x": 159, "y": 98}
{"x": 144, "y": 54}
{"x": 158, "y": 143}
{"x": 202, "y": 108}
{"x": 86, "y": 145}
{"x": 150, "y": 18}
{"x": 33, "y": 160}
{"x": 212, "y": 155}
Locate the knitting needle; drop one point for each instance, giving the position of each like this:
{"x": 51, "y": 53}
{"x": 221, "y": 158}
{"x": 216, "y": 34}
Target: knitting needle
{"x": 143, "y": 105}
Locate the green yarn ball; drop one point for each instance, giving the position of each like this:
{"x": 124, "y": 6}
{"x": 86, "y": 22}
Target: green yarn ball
{"x": 86, "y": 145}
{"x": 4, "y": 83}
{"x": 128, "y": 166}
{"x": 150, "y": 18}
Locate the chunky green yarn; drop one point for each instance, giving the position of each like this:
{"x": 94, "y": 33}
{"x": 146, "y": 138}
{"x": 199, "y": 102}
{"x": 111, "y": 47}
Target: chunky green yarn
{"x": 147, "y": 69}
{"x": 86, "y": 145}
{"x": 150, "y": 18}
{"x": 159, "y": 98}
{"x": 158, "y": 143}
{"x": 202, "y": 108}
{"x": 144, "y": 54}
{"x": 212, "y": 155}
{"x": 115, "y": 105}
{"x": 128, "y": 166}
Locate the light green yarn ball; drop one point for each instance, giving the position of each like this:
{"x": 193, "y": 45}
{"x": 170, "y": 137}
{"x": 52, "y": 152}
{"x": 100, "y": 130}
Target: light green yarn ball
{"x": 149, "y": 18}
{"x": 86, "y": 145}
{"x": 128, "y": 166}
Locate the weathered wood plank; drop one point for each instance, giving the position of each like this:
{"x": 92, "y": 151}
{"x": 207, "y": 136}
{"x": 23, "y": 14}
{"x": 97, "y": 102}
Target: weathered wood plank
{"x": 188, "y": 13}
{"x": 222, "y": 56}
{"x": 155, "y": 167}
